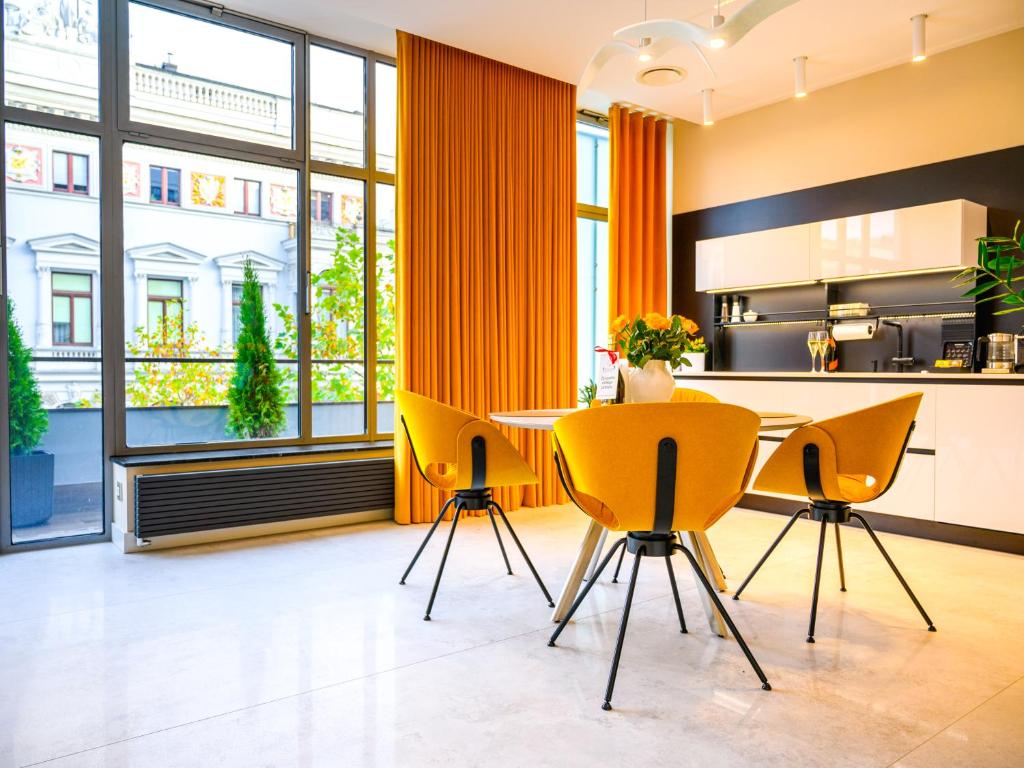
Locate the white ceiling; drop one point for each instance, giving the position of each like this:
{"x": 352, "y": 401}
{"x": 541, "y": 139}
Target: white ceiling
{"x": 842, "y": 39}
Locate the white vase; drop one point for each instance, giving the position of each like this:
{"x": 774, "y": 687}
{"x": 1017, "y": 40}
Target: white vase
{"x": 651, "y": 384}
{"x": 697, "y": 361}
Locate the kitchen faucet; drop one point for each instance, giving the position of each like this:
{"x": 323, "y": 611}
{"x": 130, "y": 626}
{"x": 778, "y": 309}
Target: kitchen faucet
{"x": 899, "y": 361}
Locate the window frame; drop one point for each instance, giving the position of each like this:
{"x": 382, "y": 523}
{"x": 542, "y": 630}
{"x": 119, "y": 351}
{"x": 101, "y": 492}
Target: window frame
{"x": 245, "y": 197}
{"x": 71, "y": 296}
{"x": 163, "y": 301}
{"x": 318, "y": 197}
{"x": 164, "y": 186}
{"x": 69, "y": 162}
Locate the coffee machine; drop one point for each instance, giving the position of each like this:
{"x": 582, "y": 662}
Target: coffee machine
{"x": 1001, "y": 351}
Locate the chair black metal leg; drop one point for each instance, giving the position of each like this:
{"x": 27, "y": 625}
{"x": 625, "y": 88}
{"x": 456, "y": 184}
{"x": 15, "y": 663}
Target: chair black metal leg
{"x": 839, "y": 551}
{"x": 675, "y": 594}
{"x": 817, "y": 581}
{"x": 913, "y": 597}
{"x": 522, "y": 551}
{"x": 622, "y": 630}
{"x": 713, "y": 594}
{"x": 440, "y": 516}
{"x": 618, "y": 566}
{"x": 444, "y": 558}
{"x": 771, "y": 549}
{"x": 586, "y": 590}
{"x": 501, "y": 545}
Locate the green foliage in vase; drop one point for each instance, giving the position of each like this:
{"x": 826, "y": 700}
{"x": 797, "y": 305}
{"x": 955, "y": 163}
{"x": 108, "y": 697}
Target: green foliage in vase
{"x": 655, "y": 337}
{"x": 1000, "y": 265}
{"x": 28, "y": 419}
{"x": 256, "y": 397}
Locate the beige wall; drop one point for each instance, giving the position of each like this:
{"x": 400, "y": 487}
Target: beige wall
{"x": 908, "y": 115}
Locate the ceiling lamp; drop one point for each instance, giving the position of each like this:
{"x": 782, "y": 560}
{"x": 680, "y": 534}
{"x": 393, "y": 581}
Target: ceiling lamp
{"x": 650, "y": 39}
{"x": 918, "y": 24}
{"x": 709, "y": 116}
{"x": 800, "y": 77}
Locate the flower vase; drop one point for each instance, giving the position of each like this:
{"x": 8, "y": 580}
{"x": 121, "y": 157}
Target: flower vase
{"x": 651, "y": 384}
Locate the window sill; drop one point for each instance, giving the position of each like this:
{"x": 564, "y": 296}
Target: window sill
{"x": 234, "y": 454}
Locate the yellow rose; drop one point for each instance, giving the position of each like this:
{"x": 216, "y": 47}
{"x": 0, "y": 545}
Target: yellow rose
{"x": 618, "y": 324}
{"x": 657, "y": 321}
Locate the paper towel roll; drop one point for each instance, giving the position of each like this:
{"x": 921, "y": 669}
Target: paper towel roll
{"x": 853, "y": 331}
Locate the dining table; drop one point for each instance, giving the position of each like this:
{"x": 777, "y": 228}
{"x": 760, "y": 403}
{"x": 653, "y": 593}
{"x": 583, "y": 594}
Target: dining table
{"x": 593, "y": 540}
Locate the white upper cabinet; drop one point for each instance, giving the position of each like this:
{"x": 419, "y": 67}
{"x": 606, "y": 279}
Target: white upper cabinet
{"x": 923, "y": 237}
{"x": 934, "y": 236}
{"x": 755, "y": 258}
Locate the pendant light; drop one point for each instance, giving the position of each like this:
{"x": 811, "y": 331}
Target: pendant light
{"x": 800, "y": 77}
{"x": 716, "y": 21}
{"x": 709, "y": 117}
{"x": 918, "y": 26}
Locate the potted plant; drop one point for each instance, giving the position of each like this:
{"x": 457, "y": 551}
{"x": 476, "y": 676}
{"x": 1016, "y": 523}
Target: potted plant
{"x": 1000, "y": 265}
{"x": 31, "y": 469}
{"x": 696, "y": 355}
{"x": 256, "y": 397}
{"x": 653, "y": 345}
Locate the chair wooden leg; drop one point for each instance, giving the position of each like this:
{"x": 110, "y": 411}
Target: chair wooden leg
{"x": 817, "y": 580}
{"x": 522, "y": 551}
{"x": 622, "y": 630}
{"x": 910, "y": 592}
{"x": 430, "y": 533}
{"x": 839, "y": 552}
{"x": 444, "y": 559}
{"x": 771, "y": 549}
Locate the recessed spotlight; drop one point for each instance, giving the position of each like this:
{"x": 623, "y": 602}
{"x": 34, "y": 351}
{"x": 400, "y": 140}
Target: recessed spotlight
{"x": 709, "y": 116}
{"x": 920, "y": 54}
{"x": 660, "y": 76}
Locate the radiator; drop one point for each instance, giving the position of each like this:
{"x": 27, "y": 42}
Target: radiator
{"x": 185, "y": 502}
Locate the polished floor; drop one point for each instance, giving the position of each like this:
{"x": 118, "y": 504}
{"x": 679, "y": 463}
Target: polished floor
{"x": 303, "y": 650}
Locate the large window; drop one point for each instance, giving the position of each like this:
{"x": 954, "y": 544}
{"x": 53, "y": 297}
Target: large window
{"x": 221, "y": 164}
{"x": 592, "y": 186}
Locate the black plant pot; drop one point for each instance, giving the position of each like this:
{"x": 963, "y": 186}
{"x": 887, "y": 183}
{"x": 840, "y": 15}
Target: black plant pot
{"x": 31, "y": 488}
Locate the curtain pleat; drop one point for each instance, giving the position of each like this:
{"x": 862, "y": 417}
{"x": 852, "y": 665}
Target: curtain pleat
{"x": 637, "y": 257}
{"x": 486, "y": 251}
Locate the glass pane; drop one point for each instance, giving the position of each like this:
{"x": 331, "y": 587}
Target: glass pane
{"x": 385, "y": 308}
{"x": 592, "y": 165}
{"x": 62, "y": 281}
{"x": 173, "y": 186}
{"x": 170, "y": 288}
{"x": 60, "y": 171}
{"x": 55, "y": 428}
{"x": 83, "y": 320}
{"x": 197, "y": 252}
{"x": 386, "y": 116}
{"x": 338, "y": 317}
{"x": 50, "y": 56}
{"x": 208, "y": 78}
{"x": 253, "y": 197}
{"x": 156, "y": 184}
{"x": 592, "y": 294}
{"x": 337, "y": 94}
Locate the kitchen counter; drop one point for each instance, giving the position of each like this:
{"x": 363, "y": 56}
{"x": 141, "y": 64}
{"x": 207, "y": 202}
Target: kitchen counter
{"x": 861, "y": 377}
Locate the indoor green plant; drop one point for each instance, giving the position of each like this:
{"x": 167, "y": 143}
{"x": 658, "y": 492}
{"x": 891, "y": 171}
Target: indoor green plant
{"x": 256, "y": 396}
{"x": 31, "y": 469}
{"x": 1000, "y": 263}
{"x": 654, "y": 345}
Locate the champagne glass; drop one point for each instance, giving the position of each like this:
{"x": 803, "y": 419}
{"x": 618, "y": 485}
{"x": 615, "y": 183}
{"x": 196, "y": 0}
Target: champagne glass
{"x": 813, "y": 348}
{"x": 823, "y": 346}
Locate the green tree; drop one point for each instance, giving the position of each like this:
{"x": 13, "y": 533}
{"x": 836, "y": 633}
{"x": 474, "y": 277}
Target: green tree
{"x": 256, "y": 398}
{"x": 28, "y": 419}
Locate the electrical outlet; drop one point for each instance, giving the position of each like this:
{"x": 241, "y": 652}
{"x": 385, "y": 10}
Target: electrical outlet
{"x": 119, "y": 491}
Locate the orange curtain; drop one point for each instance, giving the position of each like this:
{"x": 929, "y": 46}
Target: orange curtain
{"x": 486, "y": 250}
{"x": 637, "y": 259}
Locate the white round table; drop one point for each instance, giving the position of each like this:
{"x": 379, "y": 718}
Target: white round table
{"x": 593, "y": 541}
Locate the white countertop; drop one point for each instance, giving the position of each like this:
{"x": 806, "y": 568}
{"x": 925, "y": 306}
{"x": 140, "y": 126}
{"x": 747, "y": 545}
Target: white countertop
{"x": 980, "y": 378}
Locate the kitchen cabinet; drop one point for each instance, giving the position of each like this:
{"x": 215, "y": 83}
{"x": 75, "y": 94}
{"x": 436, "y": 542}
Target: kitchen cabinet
{"x": 768, "y": 257}
{"x": 923, "y": 237}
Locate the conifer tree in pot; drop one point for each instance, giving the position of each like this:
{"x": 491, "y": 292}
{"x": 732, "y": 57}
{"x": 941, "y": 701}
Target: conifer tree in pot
{"x": 31, "y": 470}
{"x": 256, "y": 395}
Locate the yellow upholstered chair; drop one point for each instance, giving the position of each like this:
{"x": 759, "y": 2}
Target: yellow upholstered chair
{"x": 838, "y": 462}
{"x": 456, "y": 451}
{"x": 652, "y": 470}
{"x": 684, "y": 395}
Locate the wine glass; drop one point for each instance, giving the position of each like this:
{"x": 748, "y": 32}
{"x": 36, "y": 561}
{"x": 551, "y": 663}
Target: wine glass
{"x": 823, "y": 347}
{"x": 813, "y": 348}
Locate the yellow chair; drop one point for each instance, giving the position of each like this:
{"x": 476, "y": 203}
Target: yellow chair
{"x": 838, "y": 462}
{"x": 684, "y": 395}
{"x": 653, "y": 470}
{"x": 456, "y": 451}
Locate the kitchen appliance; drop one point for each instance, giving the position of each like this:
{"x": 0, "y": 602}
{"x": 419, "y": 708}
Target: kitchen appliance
{"x": 1019, "y": 357}
{"x": 1001, "y": 351}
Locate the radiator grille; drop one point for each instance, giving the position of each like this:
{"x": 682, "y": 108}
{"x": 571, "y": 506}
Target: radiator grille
{"x": 184, "y": 502}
